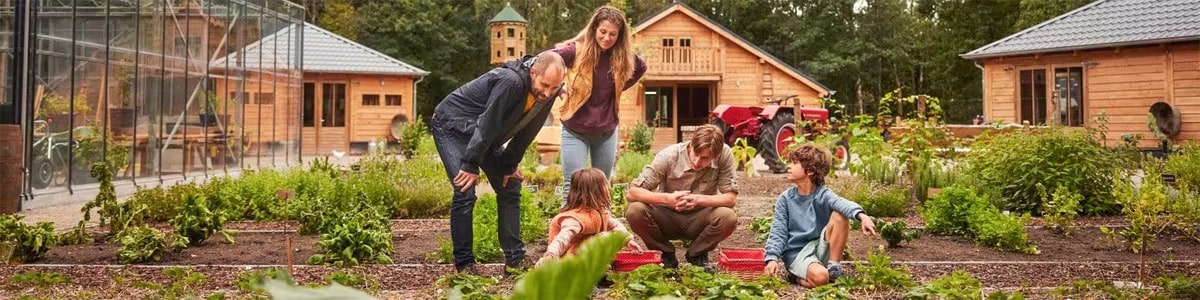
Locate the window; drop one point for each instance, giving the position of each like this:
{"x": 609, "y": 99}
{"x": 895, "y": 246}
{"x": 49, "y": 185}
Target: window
{"x": 685, "y": 53}
{"x": 511, "y": 32}
{"x": 370, "y": 100}
{"x": 497, "y": 34}
{"x": 512, "y": 52}
{"x": 685, "y": 42}
{"x": 239, "y": 97}
{"x": 265, "y": 98}
{"x": 1033, "y": 96}
{"x": 668, "y": 53}
{"x": 659, "y": 106}
{"x": 333, "y": 105}
{"x": 497, "y": 53}
{"x": 522, "y": 35}
{"x": 1068, "y": 95}
{"x": 310, "y": 99}
{"x": 394, "y": 100}
{"x": 668, "y": 42}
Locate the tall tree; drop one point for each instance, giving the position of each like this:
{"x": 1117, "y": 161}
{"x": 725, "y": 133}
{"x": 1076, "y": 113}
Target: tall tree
{"x": 1035, "y": 12}
{"x": 340, "y": 17}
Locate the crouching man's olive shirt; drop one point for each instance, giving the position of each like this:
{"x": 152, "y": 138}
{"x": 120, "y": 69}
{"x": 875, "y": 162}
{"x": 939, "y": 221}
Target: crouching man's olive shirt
{"x": 672, "y": 171}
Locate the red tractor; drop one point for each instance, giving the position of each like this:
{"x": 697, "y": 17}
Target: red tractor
{"x": 771, "y": 128}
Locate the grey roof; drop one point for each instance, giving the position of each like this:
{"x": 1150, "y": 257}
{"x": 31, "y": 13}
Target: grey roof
{"x": 739, "y": 37}
{"x": 324, "y": 51}
{"x": 1102, "y": 24}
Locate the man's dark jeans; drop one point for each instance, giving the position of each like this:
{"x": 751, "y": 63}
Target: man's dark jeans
{"x": 451, "y": 144}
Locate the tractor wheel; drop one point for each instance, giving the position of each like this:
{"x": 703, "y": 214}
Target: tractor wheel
{"x": 42, "y": 173}
{"x": 774, "y": 139}
{"x": 726, "y": 132}
{"x": 841, "y": 155}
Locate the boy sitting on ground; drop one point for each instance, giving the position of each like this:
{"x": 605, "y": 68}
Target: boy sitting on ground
{"x": 810, "y": 257}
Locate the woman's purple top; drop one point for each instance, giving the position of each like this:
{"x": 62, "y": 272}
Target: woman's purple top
{"x": 598, "y": 115}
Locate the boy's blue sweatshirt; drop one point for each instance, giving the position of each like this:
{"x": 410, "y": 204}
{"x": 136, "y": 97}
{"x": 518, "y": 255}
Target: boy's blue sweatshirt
{"x": 801, "y": 218}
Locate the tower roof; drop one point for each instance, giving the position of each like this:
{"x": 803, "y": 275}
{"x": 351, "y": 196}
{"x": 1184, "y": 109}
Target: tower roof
{"x": 508, "y": 14}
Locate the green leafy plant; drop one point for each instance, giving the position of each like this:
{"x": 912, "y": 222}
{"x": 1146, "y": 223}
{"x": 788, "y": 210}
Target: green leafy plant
{"x": 251, "y": 282}
{"x": 141, "y": 244}
{"x": 896, "y": 232}
{"x": 573, "y": 277}
{"x": 1183, "y": 164}
{"x": 1002, "y": 295}
{"x": 30, "y": 243}
{"x": 829, "y": 292}
{"x": 1179, "y": 286}
{"x": 117, "y": 216}
{"x": 196, "y": 222}
{"x": 185, "y": 284}
{"x": 355, "y": 280}
{"x": 281, "y": 289}
{"x": 1096, "y": 289}
{"x": 1060, "y": 208}
{"x": 39, "y": 279}
{"x": 743, "y": 154}
{"x": 878, "y": 275}
{"x": 959, "y": 211}
{"x": 466, "y": 287}
{"x": 617, "y": 198}
{"x": 958, "y": 285}
{"x": 640, "y": 139}
{"x": 410, "y": 136}
{"x": 1015, "y": 163}
{"x": 355, "y": 237}
{"x": 630, "y": 165}
{"x": 761, "y": 226}
{"x": 77, "y": 236}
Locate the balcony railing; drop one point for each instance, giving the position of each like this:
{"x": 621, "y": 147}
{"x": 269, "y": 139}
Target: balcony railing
{"x": 684, "y": 61}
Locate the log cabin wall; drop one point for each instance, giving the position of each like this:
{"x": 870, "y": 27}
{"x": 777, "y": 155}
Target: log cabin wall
{"x": 1123, "y": 82}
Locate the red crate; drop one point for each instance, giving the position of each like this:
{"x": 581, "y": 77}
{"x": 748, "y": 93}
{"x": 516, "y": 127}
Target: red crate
{"x": 629, "y": 260}
{"x": 743, "y": 262}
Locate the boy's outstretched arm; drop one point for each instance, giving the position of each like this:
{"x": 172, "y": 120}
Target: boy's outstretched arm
{"x": 777, "y": 237}
{"x": 851, "y": 210}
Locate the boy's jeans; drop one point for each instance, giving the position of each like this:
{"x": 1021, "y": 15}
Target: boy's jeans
{"x": 451, "y": 145}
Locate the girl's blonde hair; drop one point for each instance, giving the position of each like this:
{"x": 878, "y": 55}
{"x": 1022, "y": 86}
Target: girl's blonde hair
{"x": 589, "y": 190}
{"x": 587, "y": 55}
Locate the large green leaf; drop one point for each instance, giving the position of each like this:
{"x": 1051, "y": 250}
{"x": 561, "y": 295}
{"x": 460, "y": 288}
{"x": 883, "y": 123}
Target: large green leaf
{"x": 573, "y": 277}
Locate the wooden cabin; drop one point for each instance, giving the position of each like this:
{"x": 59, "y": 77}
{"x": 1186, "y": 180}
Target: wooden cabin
{"x": 349, "y": 97}
{"x": 695, "y": 64}
{"x": 1109, "y": 56}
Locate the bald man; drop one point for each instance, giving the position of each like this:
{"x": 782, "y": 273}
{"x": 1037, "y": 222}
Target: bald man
{"x": 486, "y": 125}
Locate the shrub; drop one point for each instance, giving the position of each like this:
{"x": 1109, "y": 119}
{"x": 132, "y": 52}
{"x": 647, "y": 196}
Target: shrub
{"x": 895, "y": 233}
{"x": 196, "y": 222}
{"x": 958, "y": 285}
{"x": 618, "y": 199}
{"x": 160, "y": 207}
{"x": 1145, "y": 209}
{"x": 959, "y": 211}
{"x": 141, "y": 244}
{"x": 411, "y": 136}
{"x": 640, "y": 139}
{"x": 117, "y": 216}
{"x": 878, "y": 200}
{"x": 466, "y": 287}
{"x": 948, "y": 213}
{"x": 39, "y": 279}
{"x": 630, "y": 165}
{"x": 253, "y": 196}
{"x": 1183, "y": 165}
{"x": 881, "y": 170}
{"x": 1015, "y": 163}
{"x": 30, "y": 243}
{"x": 1060, "y": 208}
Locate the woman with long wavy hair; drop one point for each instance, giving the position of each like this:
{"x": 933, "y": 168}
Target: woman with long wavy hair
{"x": 602, "y": 65}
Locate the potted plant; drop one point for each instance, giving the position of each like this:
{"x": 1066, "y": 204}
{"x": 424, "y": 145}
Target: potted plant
{"x": 214, "y": 110}
{"x": 56, "y": 110}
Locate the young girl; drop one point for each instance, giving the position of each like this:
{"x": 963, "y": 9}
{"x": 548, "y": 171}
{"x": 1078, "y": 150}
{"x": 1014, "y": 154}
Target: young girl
{"x": 586, "y": 214}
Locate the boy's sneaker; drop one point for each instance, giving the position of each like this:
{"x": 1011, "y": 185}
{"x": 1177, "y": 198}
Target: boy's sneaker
{"x": 835, "y": 271}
